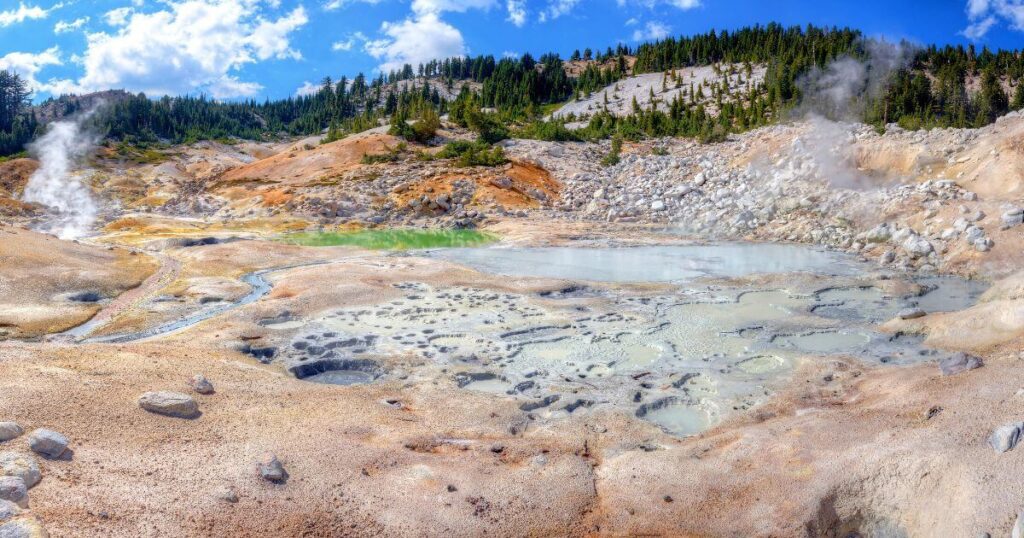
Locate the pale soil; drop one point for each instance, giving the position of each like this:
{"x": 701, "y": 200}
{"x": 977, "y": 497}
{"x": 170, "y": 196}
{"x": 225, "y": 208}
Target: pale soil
{"x": 846, "y": 447}
{"x": 40, "y": 274}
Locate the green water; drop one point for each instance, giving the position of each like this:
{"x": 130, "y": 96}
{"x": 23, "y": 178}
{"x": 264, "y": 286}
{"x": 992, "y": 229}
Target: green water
{"x": 392, "y": 239}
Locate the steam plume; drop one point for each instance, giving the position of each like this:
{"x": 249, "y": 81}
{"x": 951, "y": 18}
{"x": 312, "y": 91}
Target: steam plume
{"x": 52, "y": 185}
{"x": 838, "y": 93}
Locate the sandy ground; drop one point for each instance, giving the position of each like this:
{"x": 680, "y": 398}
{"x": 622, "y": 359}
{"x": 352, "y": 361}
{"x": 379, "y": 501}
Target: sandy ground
{"x": 846, "y": 448}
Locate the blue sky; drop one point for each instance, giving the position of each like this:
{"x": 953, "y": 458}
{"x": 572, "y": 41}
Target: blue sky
{"x": 233, "y": 49}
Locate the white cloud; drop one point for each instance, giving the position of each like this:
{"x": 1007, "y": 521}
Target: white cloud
{"x": 23, "y": 13}
{"x": 684, "y": 4}
{"x": 415, "y": 41}
{"x": 63, "y": 27}
{"x": 423, "y": 7}
{"x": 511, "y": 54}
{"x": 632, "y": 21}
{"x": 349, "y": 43}
{"x": 190, "y": 46}
{"x": 516, "y": 12}
{"x": 333, "y": 5}
{"x": 653, "y": 30}
{"x": 119, "y": 16}
{"x": 28, "y": 65}
{"x": 307, "y": 88}
{"x": 651, "y": 4}
{"x": 984, "y": 14}
{"x": 977, "y": 30}
{"x": 557, "y": 8}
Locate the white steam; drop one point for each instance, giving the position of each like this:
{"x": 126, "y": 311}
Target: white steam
{"x": 837, "y": 94}
{"x": 842, "y": 89}
{"x": 52, "y": 185}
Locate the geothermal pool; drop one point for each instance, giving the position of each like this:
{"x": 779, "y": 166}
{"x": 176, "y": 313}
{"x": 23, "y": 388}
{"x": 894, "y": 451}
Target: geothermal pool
{"x": 683, "y": 355}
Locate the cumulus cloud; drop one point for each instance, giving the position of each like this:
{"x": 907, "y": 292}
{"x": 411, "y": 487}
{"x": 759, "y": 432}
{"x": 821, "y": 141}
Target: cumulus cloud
{"x": 556, "y": 9}
{"x": 25, "y": 12}
{"x": 119, "y": 16}
{"x": 349, "y": 43}
{"x": 651, "y": 4}
{"x": 414, "y": 41}
{"x": 307, "y": 88}
{"x": 63, "y": 27}
{"x": 334, "y": 5}
{"x": 984, "y": 14}
{"x": 190, "y": 46}
{"x": 516, "y": 12}
{"x": 651, "y": 31}
{"x": 423, "y": 7}
{"x": 28, "y": 65}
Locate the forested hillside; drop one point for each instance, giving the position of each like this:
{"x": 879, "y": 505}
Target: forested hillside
{"x": 947, "y": 87}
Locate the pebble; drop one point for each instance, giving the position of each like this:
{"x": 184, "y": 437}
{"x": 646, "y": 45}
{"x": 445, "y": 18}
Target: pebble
{"x": 1004, "y": 438}
{"x": 10, "y": 430}
{"x": 272, "y": 470}
{"x": 47, "y": 442}
{"x": 13, "y": 489}
{"x": 959, "y": 362}
{"x": 226, "y": 494}
{"x": 22, "y": 466}
{"x": 1018, "y": 526}
{"x": 201, "y": 385}
{"x": 171, "y": 404}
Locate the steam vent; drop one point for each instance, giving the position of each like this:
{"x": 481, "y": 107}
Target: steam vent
{"x": 272, "y": 268}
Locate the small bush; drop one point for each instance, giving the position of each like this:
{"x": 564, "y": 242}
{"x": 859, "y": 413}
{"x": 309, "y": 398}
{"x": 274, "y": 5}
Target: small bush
{"x": 473, "y": 154}
{"x": 613, "y": 155}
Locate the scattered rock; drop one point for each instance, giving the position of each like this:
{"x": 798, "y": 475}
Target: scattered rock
{"x": 171, "y": 404}
{"x": 911, "y": 313}
{"x": 47, "y": 442}
{"x": 10, "y": 430}
{"x": 1006, "y": 437}
{"x": 272, "y": 470}
{"x": 201, "y": 385}
{"x": 22, "y": 466}
{"x": 226, "y": 494}
{"x": 13, "y": 489}
{"x": 959, "y": 362}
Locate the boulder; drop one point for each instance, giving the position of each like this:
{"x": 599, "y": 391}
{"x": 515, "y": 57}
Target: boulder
{"x": 47, "y": 442}
{"x": 22, "y": 466}
{"x": 23, "y": 528}
{"x": 171, "y": 404}
{"x": 8, "y": 510}
{"x": 1006, "y": 437}
{"x": 959, "y": 362}
{"x": 9, "y": 430}
{"x": 13, "y": 489}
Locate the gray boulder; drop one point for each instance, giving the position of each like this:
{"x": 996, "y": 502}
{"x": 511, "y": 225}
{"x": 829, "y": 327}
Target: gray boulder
{"x": 8, "y": 510}
{"x": 1006, "y": 437}
{"x": 13, "y": 489}
{"x": 23, "y": 528}
{"x": 47, "y": 442}
{"x": 22, "y": 466}
{"x": 171, "y": 404}
{"x": 9, "y": 430}
{"x": 959, "y": 362}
